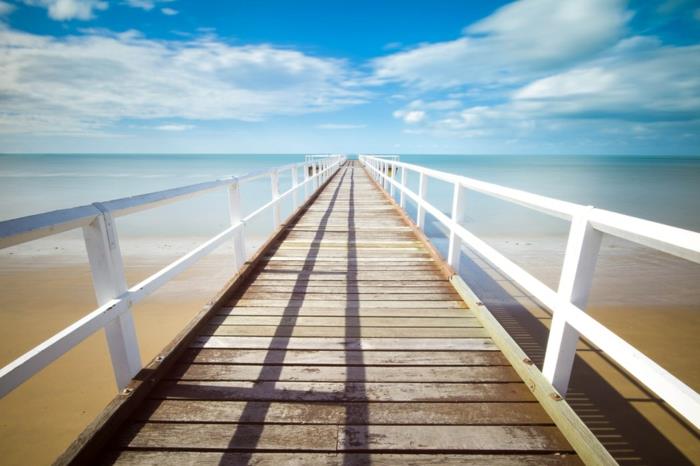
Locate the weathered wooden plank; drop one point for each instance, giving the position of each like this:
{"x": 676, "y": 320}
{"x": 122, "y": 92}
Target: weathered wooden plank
{"x": 306, "y": 311}
{"x": 517, "y": 413}
{"x": 324, "y": 437}
{"x": 407, "y": 262}
{"x": 366, "y": 332}
{"x": 189, "y": 458}
{"x": 229, "y": 436}
{"x": 347, "y": 305}
{"x": 349, "y": 287}
{"x": 353, "y": 358}
{"x": 338, "y": 344}
{"x": 393, "y": 322}
{"x": 187, "y": 371}
{"x": 452, "y": 438}
{"x": 312, "y": 281}
{"x": 343, "y": 391}
{"x": 427, "y": 270}
{"x": 378, "y": 277}
{"x": 393, "y": 297}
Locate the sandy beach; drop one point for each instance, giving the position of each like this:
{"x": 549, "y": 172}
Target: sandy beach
{"x": 637, "y": 293}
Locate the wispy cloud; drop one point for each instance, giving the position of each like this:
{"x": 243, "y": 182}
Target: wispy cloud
{"x": 340, "y": 126}
{"x": 174, "y": 127}
{"x": 169, "y": 11}
{"x": 6, "y": 8}
{"x": 507, "y": 77}
{"x": 520, "y": 40}
{"x": 63, "y": 10}
{"x": 98, "y": 79}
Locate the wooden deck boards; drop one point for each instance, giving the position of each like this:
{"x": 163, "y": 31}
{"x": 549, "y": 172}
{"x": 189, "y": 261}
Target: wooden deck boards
{"x": 348, "y": 345}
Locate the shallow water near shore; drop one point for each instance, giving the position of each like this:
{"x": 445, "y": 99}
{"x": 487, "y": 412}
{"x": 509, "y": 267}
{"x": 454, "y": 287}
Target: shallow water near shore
{"x": 648, "y": 298}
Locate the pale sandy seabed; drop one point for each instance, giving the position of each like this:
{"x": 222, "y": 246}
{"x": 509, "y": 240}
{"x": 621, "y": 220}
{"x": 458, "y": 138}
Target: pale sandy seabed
{"x": 647, "y": 298}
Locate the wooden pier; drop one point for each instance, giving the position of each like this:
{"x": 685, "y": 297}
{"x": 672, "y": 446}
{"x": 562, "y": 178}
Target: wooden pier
{"x": 343, "y": 341}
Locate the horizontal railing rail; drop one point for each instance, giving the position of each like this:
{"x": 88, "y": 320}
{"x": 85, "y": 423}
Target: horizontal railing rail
{"x": 568, "y": 302}
{"x": 114, "y": 297}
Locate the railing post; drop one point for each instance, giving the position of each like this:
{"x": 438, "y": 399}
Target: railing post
{"x": 422, "y": 191}
{"x": 275, "y": 184}
{"x": 234, "y": 205}
{"x": 109, "y": 282}
{"x": 393, "y": 177}
{"x": 316, "y": 181}
{"x": 306, "y": 177}
{"x": 295, "y": 184}
{"x": 402, "y": 196}
{"x": 454, "y": 250}
{"x": 574, "y": 286}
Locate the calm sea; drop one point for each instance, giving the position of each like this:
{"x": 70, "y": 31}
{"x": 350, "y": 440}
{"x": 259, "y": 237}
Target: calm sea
{"x": 663, "y": 189}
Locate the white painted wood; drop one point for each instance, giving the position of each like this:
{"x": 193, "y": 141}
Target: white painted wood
{"x": 108, "y": 279}
{"x": 574, "y": 285}
{"x": 402, "y": 196}
{"x": 295, "y": 186}
{"x": 275, "y": 186}
{"x": 234, "y": 208}
{"x": 146, "y": 287}
{"x": 115, "y": 300}
{"x": 31, "y": 362}
{"x": 422, "y": 192}
{"x": 459, "y": 196}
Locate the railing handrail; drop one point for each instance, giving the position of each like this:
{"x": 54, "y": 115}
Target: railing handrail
{"x": 568, "y": 303}
{"x": 114, "y": 297}
{"x": 672, "y": 240}
{"x": 23, "y": 229}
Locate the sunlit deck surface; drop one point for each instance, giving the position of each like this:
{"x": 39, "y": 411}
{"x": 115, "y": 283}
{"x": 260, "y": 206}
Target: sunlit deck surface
{"x": 346, "y": 344}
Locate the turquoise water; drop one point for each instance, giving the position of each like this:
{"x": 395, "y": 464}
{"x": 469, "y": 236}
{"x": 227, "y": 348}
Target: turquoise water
{"x": 663, "y": 189}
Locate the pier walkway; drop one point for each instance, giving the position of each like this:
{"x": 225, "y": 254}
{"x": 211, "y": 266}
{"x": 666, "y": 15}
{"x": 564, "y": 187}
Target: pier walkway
{"x": 341, "y": 342}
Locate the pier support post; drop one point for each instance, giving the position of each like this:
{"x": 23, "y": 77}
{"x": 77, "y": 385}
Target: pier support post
{"x": 306, "y": 177}
{"x": 234, "y": 208}
{"x": 459, "y": 196}
{"x": 109, "y": 282}
{"x": 574, "y": 285}
{"x": 422, "y": 192}
{"x": 275, "y": 184}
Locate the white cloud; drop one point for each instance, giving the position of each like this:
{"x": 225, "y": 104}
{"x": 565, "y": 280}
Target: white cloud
{"x": 174, "y": 127}
{"x": 169, "y": 11}
{"x": 142, "y": 4}
{"x": 6, "y": 8}
{"x": 520, "y": 40}
{"x": 410, "y": 116}
{"x": 62, "y": 10}
{"x": 653, "y": 83}
{"x": 340, "y": 126}
{"x": 95, "y": 80}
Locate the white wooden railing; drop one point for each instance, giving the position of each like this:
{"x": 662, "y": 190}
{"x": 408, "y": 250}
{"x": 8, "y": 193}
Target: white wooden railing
{"x": 114, "y": 297}
{"x": 568, "y": 302}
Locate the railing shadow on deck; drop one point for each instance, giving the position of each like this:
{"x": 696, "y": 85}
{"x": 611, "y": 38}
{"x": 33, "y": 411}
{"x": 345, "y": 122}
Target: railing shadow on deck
{"x": 249, "y": 429}
{"x": 629, "y": 437}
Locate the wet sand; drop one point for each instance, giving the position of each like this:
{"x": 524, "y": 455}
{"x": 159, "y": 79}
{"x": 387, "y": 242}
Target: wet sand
{"x": 45, "y": 289}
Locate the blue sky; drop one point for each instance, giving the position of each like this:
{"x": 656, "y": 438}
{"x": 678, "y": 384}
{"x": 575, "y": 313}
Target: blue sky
{"x": 531, "y": 76}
